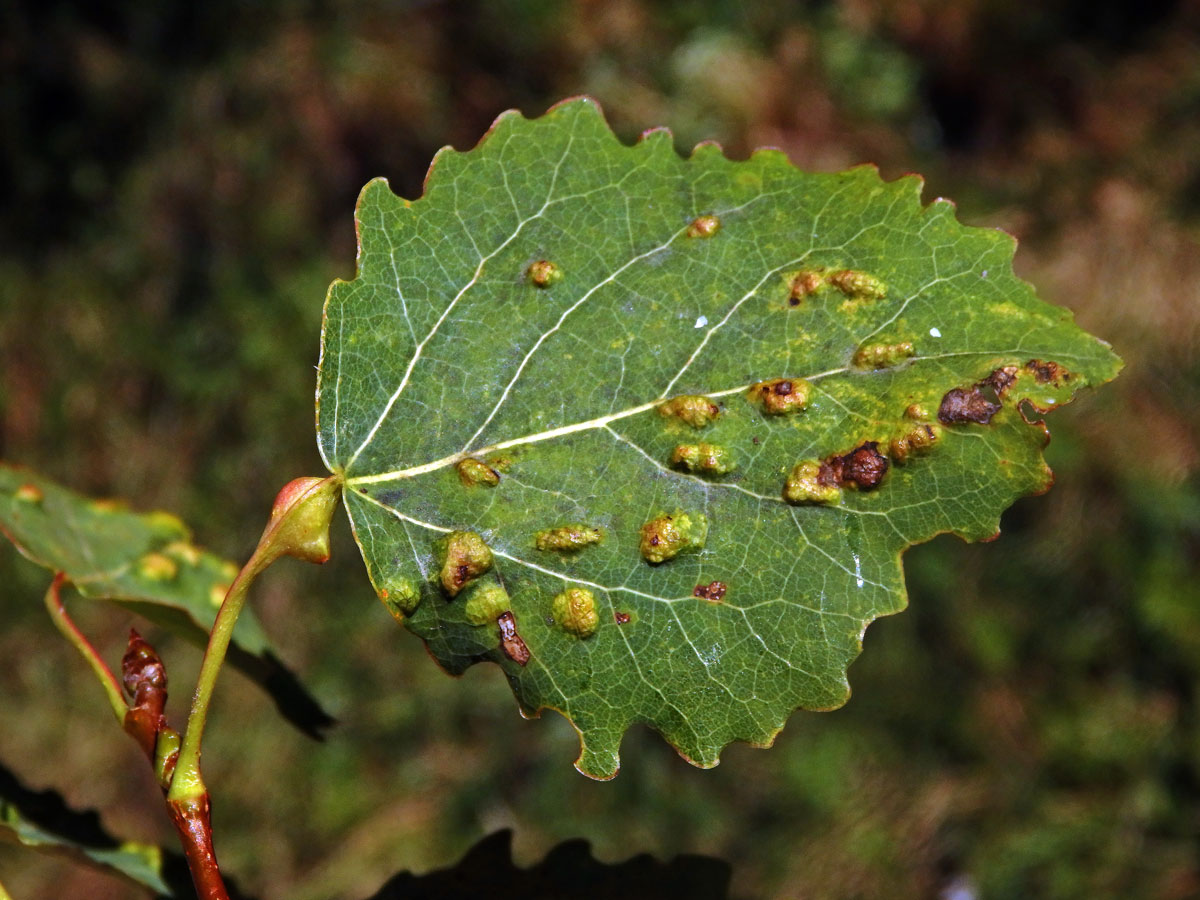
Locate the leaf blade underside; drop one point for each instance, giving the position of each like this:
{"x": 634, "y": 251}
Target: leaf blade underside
{"x": 678, "y": 277}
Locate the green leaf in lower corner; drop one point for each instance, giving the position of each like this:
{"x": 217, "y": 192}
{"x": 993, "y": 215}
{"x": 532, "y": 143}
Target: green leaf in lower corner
{"x": 145, "y": 562}
{"x": 705, "y": 404}
{"x": 42, "y": 821}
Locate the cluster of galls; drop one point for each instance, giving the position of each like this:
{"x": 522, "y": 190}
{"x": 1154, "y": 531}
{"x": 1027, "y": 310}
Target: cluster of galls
{"x": 862, "y": 469}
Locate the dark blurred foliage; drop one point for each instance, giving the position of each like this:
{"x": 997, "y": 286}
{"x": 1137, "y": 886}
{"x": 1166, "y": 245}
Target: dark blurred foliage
{"x": 180, "y": 182}
{"x": 569, "y": 872}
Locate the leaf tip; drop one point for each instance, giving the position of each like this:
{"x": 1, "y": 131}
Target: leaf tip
{"x": 581, "y": 102}
{"x": 708, "y": 148}
{"x": 659, "y": 134}
{"x": 597, "y": 764}
{"x": 770, "y": 154}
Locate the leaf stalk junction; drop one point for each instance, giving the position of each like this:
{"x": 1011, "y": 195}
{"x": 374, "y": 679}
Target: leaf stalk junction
{"x": 299, "y": 527}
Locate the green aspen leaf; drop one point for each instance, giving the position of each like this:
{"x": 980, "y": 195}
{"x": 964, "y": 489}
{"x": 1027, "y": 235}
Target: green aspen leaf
{"x": 145, "y": 562}
{"x": 870, "y": 369}
{"x": 42, "y": 821}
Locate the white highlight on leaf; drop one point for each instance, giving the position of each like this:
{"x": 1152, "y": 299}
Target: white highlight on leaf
{"x": 702, "y": 321}
{"x": 934, "y": 332}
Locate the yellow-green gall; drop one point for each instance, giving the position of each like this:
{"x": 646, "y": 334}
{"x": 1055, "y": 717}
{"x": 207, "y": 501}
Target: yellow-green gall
{"x": 472, "y": 472}
{"x": 157, "y": 567}
{"x": 780, "y": 395}
{"x": 400, "y": 597}
{"x": 499, "y": 463}
{"x": 809, "y": 483}
{"x": 28, "y": 493}
{"x": 568, "y": 538}
{"x": 858, "y": 285}
{"x": 691, "y": 409}
{"x": 486, "y": 603}
{"x": 917, "y": 413}
{"x": 184, "y": 552}
{"x": 881, "y": 356}
{"x": 544, "y": 273}
{"x": 709, "y": 459}
{"x": 216, "y": 593}
{"x": 159, "y": 519}
{"x": 803, "y": 284}
{"x": 919, "y": 440}
{"x": 666, "y": 536}
{"x": 574, "y": 610}
{"x": 704, "y": 227}
{"x": 462, "y": 557}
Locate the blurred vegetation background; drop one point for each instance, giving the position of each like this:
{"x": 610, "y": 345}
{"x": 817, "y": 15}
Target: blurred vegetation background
{"x": 181, "y": 181}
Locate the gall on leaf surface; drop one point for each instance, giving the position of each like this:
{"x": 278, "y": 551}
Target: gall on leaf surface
{"x": 442, "y": 350}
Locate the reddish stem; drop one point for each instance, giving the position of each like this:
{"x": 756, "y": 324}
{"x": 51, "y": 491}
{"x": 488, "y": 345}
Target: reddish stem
{"x": 146, "y": 680}
{"x": 58, "y": 614}
{"x": 192, "y": 817}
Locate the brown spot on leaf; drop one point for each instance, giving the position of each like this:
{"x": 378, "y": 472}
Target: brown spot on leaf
{"x": 1001, "y": 379}
{"x": 780, "y": 395}
{"x": 713, "y": 592}
{"x": 862, "y": 468}
{"x": 464, "y": 557}
{"x": 810, "y": 482}
{"x": 704, "y": 227}
{"x": 544, "y": 273}
{"x": 472, "y": 472}
{"x": 1048, "y": 372}
{"x": 510, "y": 642}
{"x": 666, "y": 536}
{"x": 805, "y": 283}
{"x": 621, "y": 618}
{"x": 962, "y": 405}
